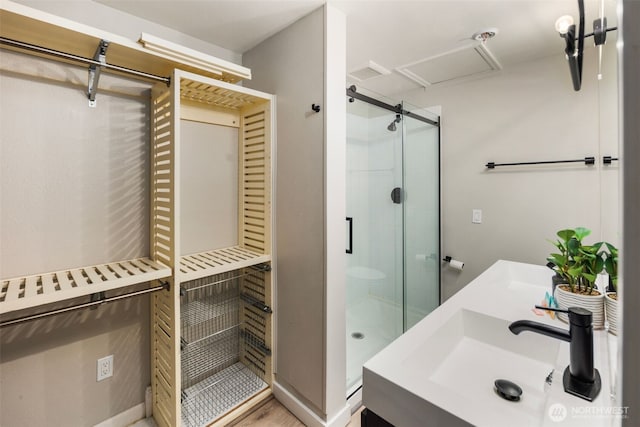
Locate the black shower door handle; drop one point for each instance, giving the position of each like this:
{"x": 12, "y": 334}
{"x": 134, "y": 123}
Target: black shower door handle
{"x": 350, "y": 248}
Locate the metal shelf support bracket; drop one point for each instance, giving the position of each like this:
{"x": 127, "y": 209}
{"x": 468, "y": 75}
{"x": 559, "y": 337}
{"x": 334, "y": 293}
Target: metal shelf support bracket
{"x": 95, "y": 70}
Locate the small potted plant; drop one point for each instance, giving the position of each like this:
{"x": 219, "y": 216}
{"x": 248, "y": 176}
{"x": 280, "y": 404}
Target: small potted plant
{"x": 560, "y": 263}
{"x": 611, "y": 296}
{"x": 579, "y": 265}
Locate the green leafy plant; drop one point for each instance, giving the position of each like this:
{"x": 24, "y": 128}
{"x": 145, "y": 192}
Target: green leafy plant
{"x": 589, "y": 263}
{"x": 611, "y": 265}
{"x": 561, "y": 262}
{"x": 578, "y": 264}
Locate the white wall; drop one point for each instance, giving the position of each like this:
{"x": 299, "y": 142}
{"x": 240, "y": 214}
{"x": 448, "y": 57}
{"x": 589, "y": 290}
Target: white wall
{"x": 524, "y": 113}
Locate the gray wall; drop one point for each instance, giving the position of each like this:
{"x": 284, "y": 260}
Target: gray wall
{"x": 74, "y": 192}
{"x": 74, "y": 179}
{"x": 291, "y": 65}
{"x": 48, "y": 367}
{"x": 631, "y": 206}
{"x": 525, "y": 113}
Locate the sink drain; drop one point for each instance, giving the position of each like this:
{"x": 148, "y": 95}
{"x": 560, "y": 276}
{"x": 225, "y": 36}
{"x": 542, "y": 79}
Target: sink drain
{"x": 508, "y": 390}
{"x": 357, "y": 335}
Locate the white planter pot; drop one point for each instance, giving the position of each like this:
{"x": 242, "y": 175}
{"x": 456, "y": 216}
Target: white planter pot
{"x": 611, "y": 307}
{"x": 593, "y": 303}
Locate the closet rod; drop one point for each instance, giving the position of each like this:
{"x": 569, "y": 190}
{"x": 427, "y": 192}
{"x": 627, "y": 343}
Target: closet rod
{"x": 69, "y": 56}
{"x": 18, "y": 320}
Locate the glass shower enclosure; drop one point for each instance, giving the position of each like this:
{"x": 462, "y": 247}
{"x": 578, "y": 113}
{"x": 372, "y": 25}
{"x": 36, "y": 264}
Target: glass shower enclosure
{"x": 393, "y": 224}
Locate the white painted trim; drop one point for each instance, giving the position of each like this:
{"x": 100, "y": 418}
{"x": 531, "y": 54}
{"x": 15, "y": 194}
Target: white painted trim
{"x": 192, "y": 57}
{"x": 306, "y": 415}
{"x": 125, "y": 418}
{"x": 335, "y": 167}
{"x": 355, "y": 401}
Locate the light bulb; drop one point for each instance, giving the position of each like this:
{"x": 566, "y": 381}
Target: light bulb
{"x": 563, "y": 23}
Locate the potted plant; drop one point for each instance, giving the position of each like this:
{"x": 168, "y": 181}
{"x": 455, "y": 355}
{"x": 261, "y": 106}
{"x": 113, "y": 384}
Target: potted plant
{"x": 579, "y": 265}
{"x": 560, "y": 263}
{"x": 611, "y": 296}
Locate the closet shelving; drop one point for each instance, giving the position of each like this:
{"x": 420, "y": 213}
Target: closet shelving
{"x": 204, "y": 264}
{"x": 32, "y": 291}
{"x": 211, "y": 335}
{"x": 222, "y": 360}
{"x": 27, "y": 25}
{"x": 211, "y": 326}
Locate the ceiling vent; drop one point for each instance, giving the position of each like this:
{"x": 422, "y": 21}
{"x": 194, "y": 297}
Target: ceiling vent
{"x": 455, "y": 64}
{"x": 370, "y": 70}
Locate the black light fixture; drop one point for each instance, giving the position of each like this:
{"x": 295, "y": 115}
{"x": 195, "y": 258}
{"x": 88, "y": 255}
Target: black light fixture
{"x": 567, "y": 29}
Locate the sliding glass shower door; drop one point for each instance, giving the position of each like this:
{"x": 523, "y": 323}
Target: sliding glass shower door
{"x": 421, "y": 214}
{"x": 374, "y": 264}
{"x": 392, "y": 227}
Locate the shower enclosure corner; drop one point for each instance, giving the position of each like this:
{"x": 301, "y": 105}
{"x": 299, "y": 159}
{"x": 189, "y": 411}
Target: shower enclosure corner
{"x": 393, "y": 223}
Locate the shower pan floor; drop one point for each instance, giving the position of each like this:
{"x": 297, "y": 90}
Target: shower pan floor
{"x": 379, "y": 322}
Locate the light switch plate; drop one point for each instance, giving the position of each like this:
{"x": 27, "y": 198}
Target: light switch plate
{"x": 476, "y": 217}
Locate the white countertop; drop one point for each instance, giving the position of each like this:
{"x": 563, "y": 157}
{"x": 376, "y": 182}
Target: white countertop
{"x": 406, "y": 382}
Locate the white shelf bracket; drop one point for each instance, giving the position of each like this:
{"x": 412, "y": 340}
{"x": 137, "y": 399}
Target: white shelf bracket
{"x": 95, "y": 70}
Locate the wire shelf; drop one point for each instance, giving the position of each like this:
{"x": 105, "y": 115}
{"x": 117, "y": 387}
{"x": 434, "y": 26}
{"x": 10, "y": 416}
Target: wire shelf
{"x": 211, "y": 398}
{"x": 209, "y": 355}
{"x": 208, "y": 307}
{"x": 209, "y": 326}
{"x": 223, "y": 331}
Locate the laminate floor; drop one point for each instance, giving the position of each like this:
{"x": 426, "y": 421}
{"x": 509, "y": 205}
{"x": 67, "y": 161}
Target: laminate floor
{"x": 273, "y": 414}
{"x": 269, "y": 414}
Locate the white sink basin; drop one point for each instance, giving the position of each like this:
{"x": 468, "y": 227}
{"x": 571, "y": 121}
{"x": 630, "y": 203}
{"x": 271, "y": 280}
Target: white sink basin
{"x": 463, "y": 358}
{"x": 442, "y": 370}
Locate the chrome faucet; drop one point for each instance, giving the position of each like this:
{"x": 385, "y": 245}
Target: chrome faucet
{"x": 580, "y": 378}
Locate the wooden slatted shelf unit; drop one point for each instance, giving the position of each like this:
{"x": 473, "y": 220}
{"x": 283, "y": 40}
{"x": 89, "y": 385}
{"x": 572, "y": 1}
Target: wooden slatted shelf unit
{"x": 31, "y": 291}
{"x": 203, "y": 264}
{"x": 208, "y": 97}
{"x": 199, "y": 383}
{"x": 28, "y": 25}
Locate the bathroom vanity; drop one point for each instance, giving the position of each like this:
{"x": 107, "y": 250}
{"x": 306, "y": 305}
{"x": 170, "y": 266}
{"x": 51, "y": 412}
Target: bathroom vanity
{"x": 442, "y": 371}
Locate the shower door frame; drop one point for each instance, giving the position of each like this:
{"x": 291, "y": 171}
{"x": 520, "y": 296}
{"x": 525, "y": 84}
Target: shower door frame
{"x": 398, "y": 109}
{"x": 352, "y": 93}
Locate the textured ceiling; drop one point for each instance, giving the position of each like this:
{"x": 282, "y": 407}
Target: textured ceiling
{"x": 393, "y": 33}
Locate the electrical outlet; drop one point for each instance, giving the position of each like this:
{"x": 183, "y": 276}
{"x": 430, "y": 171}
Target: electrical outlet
{"x": 105, "y": 367}
{"x": 477, "y": 216}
